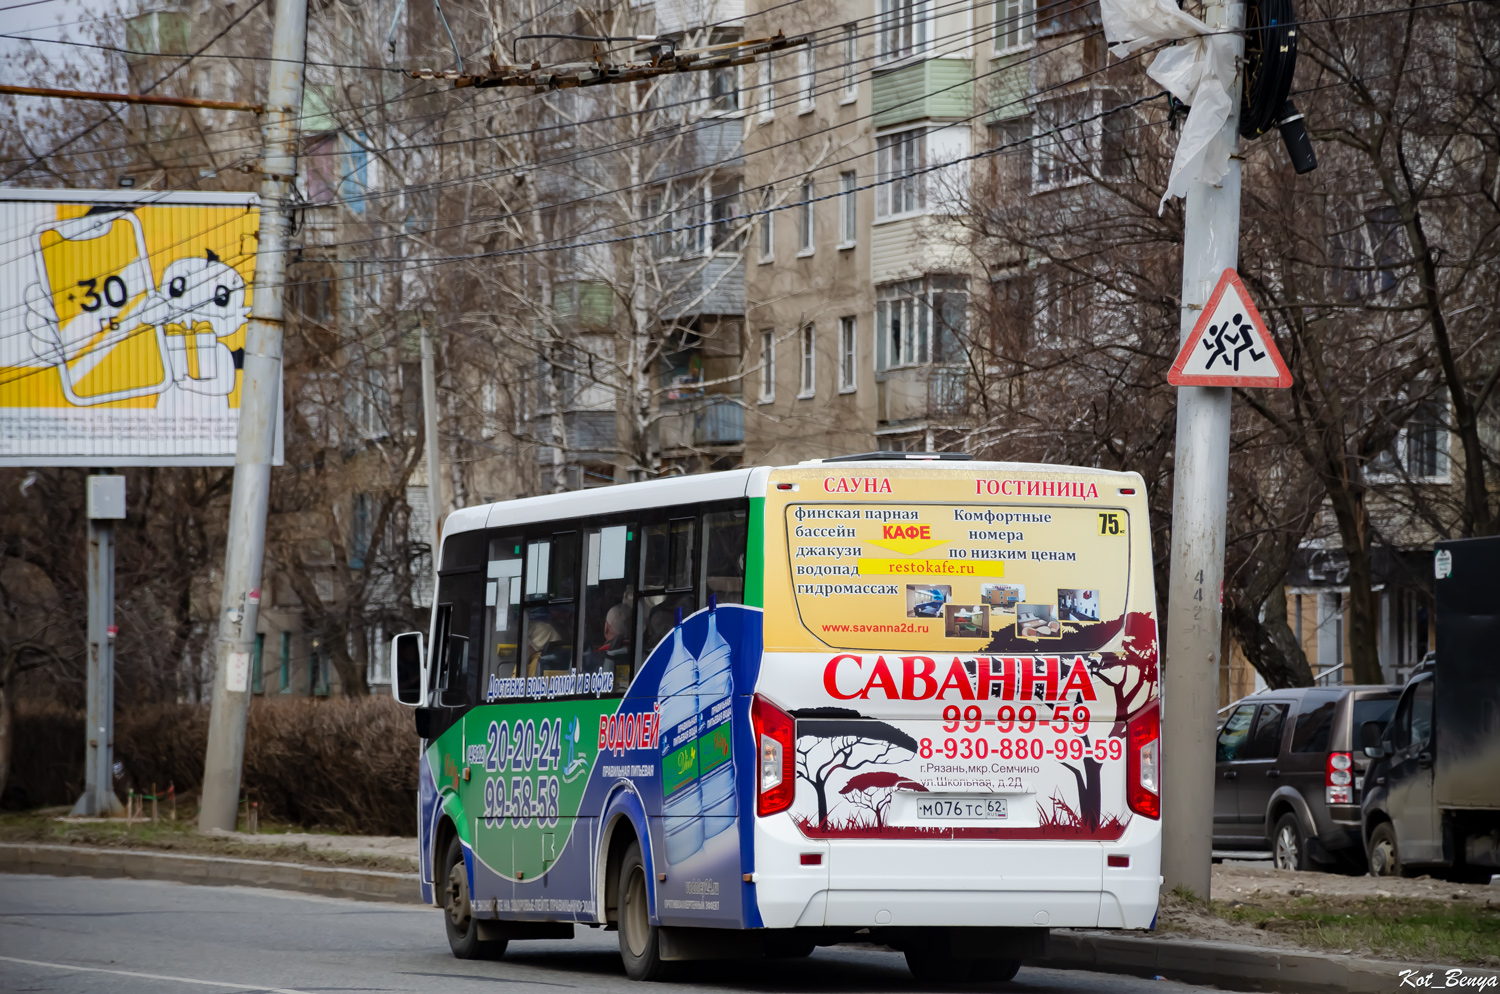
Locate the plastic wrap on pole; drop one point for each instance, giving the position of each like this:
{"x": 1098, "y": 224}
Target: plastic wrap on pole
{"x": 1199, "y": 73}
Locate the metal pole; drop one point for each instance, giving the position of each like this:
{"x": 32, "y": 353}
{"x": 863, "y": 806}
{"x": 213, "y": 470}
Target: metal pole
{"x": 105, "y": 503}
{"x": 434, "y": 457}
{"x": 1200, "y": 498}
{"x": 260, "y": 403}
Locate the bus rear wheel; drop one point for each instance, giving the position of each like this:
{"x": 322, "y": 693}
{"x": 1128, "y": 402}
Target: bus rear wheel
{"x": 458, "y": 910}
{"x": 640, "y": 941}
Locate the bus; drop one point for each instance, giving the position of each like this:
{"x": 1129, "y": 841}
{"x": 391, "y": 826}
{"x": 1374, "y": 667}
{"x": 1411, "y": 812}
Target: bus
{"x": 890, "y": 698}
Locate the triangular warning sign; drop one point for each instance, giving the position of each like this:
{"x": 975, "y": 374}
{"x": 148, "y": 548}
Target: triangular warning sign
{"x": 1229, "y": 346}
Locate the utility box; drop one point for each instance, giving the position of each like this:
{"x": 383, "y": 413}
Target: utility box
{"x": 1467, "y": 768}
{"x": 105, "y": 498}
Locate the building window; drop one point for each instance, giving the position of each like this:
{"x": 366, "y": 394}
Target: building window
{"x": 285, "y": 672}
{"x": 903, "y": 28}
{"x": 1074, "y": 141}
{"x": 726, "y": 205}
{"x": 317, "y": 670}
{"x": 768, "y": 86}
{"x": 1015, "y": 25}
{"x": 851, "y": 63}
{"x": 1420, "y": 452}
{"x": 806, "y": 79}
{"x": 1011, "y": 165}
{"x": 767, "y": 225}
{"x": 767, "y": 365}
{"x": 805, "y": 244}
{"x": 901, "y": 334}
{"x": 808, "y": 367}
{"x": 847, "y": 368}
{"x": 848, "y": 233}
{"x": 897, "y": 158}
{"x": 920, "y": 321}
{"x": 724, "y": 89}
{"x": 1061, "y": 145}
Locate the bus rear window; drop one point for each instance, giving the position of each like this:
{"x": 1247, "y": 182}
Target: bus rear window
{"x": 970, "y": 578}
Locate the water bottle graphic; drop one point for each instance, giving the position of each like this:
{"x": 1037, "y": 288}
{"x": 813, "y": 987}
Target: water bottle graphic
{"x": 716, "y": 704}
{"x": 682, "y": 797}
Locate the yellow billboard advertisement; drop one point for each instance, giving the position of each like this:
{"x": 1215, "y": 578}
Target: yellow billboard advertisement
{"x": 122, "y": 326}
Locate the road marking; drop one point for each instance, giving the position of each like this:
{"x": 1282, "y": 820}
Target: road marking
{"x": 153, "y": 976}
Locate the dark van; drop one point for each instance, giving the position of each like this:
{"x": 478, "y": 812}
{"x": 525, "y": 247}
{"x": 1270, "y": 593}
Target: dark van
{"x": 1290, "y": 773}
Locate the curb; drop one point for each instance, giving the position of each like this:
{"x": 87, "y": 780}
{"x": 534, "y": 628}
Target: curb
{"x": 1236, "y": 967}
{"x": 138, "y": 864}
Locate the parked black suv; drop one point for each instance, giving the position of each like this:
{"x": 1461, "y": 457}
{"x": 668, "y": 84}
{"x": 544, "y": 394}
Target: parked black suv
{"x": 1290, "y": 773}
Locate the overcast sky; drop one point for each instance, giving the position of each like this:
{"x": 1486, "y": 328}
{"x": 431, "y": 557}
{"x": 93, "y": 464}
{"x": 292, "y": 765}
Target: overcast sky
{"x": 62, "y": 20}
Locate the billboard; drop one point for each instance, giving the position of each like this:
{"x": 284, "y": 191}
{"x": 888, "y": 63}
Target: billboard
{"x": 122, "y": 326}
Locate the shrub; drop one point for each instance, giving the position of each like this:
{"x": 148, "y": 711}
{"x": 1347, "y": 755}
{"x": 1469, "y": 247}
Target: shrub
{"x": 348, "y": 764}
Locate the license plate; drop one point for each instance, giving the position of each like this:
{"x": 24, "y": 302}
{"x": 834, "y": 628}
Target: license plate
{"x": 945, "y": 808}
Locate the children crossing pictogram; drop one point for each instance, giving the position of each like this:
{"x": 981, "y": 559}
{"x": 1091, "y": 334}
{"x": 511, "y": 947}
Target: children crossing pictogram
{"x": 1229, "y": 347}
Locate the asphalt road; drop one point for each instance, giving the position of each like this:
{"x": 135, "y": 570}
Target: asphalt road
{"x": 75, "y": 934}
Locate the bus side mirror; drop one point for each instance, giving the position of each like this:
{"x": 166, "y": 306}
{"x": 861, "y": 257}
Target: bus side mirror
{"x": 406, "y": 667}
{"x": 1369, "y": 738}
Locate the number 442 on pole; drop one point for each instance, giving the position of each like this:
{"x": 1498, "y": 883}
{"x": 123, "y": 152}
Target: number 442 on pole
{"x": 1229, "y": 347}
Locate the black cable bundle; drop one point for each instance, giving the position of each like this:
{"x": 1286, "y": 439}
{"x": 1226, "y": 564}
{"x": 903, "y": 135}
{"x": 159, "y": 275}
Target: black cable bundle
{"x": 1271, "y": 61}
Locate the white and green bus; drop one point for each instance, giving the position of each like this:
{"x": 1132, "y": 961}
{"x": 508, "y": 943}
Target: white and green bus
{"x": 909, "y": 699}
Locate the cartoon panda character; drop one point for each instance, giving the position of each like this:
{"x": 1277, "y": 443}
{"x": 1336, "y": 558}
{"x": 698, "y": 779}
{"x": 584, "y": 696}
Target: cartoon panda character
{"x": 200, "y": 303}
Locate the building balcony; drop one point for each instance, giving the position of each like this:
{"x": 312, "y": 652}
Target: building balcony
{"x": 722, "y": 422}
{"x": 703, "y": 286}
{"x": 922, "y": 394}
{"x": 932, "y": 89}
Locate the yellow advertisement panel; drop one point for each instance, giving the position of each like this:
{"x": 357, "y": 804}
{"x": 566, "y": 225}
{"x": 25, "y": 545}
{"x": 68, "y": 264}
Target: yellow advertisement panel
{"x": 122, "y": 325}
{"x": 936, "y": 561}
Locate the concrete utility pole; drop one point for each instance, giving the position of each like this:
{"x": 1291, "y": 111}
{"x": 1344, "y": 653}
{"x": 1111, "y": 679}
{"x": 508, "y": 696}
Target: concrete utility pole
{"x": 1200, "y": 496}
{"x": 260, "y": 404}
{"x": 104, "y": 501}
{"x": 435, "y": 503}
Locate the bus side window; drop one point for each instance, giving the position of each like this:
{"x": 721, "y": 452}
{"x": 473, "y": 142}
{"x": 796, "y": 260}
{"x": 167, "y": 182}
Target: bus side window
{"x": 551, "y": 604}
{"x": 502, "y": 607}
{"x": 724, "y": 557}
{"x": 455, "y": 678}
{"x": 668, "y": 563}
{"x": 458, "y": 637}
{"x": 436, "y": 655}
{"x": 609, "y": 602}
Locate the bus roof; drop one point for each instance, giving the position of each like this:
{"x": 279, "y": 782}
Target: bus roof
{"x": 709, "y": 487}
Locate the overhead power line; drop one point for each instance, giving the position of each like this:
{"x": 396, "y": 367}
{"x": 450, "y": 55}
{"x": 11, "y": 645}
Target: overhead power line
{"x": 115, "y": 111}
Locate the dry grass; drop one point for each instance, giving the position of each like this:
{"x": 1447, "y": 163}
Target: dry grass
{"x": 348, "y": 764}
{"x": 1409, "y": 930}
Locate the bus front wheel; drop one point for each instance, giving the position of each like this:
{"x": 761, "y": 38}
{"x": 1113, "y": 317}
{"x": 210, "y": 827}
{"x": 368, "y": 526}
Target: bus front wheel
{"x": 640, "y": 941}
{"x": 458, "y": 911}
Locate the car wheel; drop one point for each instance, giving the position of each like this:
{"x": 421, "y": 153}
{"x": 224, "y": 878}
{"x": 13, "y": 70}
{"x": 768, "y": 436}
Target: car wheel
{"x": 1385, "y": 857}
{"x": 1288, "y": 844}
{"x": 640, "y": 941}
{"x": 458, "y": 911}
{"x": 937, "y": 968}
{"x": 995, "y": 970}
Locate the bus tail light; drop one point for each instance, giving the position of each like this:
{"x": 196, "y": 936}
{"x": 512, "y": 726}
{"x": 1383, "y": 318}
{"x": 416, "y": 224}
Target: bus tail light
{"x": 1143, "y": 763}
{"x": 775, "y": 746}
{"x": 1338, "y": 778}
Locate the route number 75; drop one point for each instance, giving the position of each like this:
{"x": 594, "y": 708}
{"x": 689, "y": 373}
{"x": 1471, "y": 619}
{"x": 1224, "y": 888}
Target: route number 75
{"x": 1109, "y": 523}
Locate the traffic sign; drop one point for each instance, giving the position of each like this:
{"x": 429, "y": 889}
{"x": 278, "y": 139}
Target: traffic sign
{"x": 1229, "y": 347}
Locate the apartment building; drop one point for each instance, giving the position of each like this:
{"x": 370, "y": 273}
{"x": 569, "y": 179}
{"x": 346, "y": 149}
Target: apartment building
{"x": 858, "y": 298}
